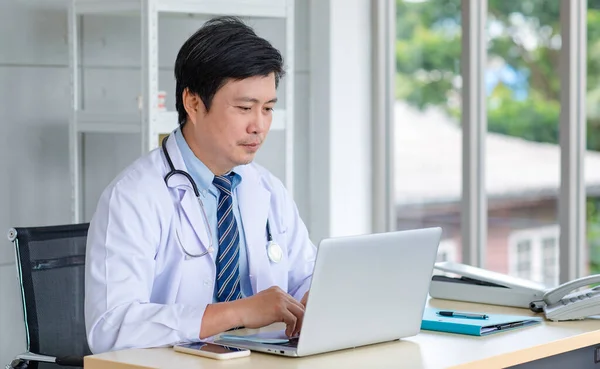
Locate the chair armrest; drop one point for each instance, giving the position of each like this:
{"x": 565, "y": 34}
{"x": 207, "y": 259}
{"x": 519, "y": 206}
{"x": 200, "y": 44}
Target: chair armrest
{"x": 29, "y": 356}
{"x": 63, "y": 360}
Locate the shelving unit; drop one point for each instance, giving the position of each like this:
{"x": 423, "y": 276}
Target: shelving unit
{"x": 150, "y": 122}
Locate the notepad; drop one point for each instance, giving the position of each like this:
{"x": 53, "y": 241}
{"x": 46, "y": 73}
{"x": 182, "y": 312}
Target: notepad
{"x": 476, "y": 327}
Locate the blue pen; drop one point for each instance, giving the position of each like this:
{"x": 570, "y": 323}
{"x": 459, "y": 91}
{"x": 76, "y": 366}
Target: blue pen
{"x": 457, "y": 314}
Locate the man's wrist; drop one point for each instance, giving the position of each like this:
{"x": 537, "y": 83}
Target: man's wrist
{"x": 221, "y": 317}
{"x": 234, "y": 313}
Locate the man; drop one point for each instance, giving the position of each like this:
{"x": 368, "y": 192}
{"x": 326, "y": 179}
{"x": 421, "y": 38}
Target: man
{"x": 173, "y": 257}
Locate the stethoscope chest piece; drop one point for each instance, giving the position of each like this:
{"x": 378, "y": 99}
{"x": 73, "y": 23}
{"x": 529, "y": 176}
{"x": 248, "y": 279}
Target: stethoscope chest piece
{"x": 274, "y": 252}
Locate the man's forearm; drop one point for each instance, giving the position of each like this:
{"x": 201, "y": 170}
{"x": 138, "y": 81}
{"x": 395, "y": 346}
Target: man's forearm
{"x": 219, "y": 318}
{"x": 141, "y": 325}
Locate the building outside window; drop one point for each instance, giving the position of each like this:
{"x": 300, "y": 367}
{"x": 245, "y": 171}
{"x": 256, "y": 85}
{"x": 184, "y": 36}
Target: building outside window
{"x": 533, "y": 254}
{"x": 447, "y": 251}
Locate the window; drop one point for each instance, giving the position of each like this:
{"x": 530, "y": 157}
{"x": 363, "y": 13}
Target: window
{"x": 592, "y": 158}
{"x": 522, "y": 166}
{"x": 550, "y": 261}
{"x": 523, "y": 111}
{"x": 533, "y": 254}
{"x": 524, "y": 259}
{"x": 427, "y": 142}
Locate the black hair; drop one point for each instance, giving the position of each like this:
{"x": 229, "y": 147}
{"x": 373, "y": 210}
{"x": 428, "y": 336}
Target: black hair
{"x": 223, "y": 48}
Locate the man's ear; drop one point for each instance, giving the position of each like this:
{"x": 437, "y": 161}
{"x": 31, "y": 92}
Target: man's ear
{"x": 192, "y": 103}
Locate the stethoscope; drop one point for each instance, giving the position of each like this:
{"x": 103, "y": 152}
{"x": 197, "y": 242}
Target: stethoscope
{"x": 274, "y": 251}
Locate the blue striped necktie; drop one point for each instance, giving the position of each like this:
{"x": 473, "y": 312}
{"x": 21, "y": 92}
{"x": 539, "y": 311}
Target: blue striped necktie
{"x": 228, "y": 275}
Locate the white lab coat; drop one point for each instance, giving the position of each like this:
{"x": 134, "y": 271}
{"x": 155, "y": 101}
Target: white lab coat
{"x": 140, "y": 291}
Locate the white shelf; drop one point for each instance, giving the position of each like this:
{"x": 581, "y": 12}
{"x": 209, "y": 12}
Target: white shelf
{"x": 108, "y": 123}
{"x": 143, "y": 122}
{"x": 242, "y": 8}
{"x": 130, "y": 122}
{"x": 122, "y": 122}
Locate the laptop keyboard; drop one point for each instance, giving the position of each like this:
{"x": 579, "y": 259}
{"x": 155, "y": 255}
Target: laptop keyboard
{"x": 293, "y": 342}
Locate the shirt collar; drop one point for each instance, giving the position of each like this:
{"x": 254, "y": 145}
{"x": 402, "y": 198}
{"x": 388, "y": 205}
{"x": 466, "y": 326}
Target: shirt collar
{"x": 198, "y": 170}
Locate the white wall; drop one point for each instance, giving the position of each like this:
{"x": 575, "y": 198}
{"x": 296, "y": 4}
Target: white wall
{"x": 301, "y": 109}
{"x": 340, "y": 133}
{"x": 350, "y": 117}
{"x": 34, "y": 173}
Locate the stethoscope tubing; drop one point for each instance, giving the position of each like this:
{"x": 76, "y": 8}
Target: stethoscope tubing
{"x": 171, "y": 173}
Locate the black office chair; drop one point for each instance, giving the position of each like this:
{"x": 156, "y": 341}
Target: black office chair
{"x": 51, "y": 266}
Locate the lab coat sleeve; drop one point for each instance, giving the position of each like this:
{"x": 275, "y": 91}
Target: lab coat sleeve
{"x": 123, "y": 237}
{"x": 301, "y": 251}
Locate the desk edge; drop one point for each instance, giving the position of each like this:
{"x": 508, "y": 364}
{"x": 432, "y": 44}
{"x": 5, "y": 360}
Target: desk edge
{"x": 536, "y": 352}
{"x": 95, "y": 362}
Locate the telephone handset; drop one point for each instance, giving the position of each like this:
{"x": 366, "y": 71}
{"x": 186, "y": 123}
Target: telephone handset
{"x": 560, "y": 305}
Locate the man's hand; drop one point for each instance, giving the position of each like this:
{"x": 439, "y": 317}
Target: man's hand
{"x": 304, "y": 299}
{"x": 270, "y": 306}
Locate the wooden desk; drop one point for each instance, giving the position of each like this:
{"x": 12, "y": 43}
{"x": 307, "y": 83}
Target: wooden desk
{"x": 427, "y": 350}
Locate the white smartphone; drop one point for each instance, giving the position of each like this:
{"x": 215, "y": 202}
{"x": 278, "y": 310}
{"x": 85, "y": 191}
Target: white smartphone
{"x": 212, "y": 350}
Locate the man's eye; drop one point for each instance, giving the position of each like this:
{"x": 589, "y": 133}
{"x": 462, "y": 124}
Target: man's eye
{"x": 244, "y": 108}
{"x": 269, "y": 109}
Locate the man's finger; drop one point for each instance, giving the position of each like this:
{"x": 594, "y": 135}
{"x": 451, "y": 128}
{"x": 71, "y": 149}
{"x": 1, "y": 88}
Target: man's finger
{"x": 295, "y": 302}
{"x": 304, "y": 299}
{"x": 290, "y": 321}
{"x": 299, "y": 314}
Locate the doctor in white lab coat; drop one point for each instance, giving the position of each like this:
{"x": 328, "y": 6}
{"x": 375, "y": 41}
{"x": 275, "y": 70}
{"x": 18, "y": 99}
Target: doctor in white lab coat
{"x": 163, "y": 266}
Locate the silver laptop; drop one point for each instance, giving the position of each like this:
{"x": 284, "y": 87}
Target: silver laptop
{"x": 365, "y": 289}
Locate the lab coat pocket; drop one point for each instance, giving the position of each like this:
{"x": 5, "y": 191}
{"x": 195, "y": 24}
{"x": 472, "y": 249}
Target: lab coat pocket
{"x": 196, "y": 286}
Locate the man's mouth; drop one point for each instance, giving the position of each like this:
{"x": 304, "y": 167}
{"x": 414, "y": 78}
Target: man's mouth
{"x": 251, "y": 144}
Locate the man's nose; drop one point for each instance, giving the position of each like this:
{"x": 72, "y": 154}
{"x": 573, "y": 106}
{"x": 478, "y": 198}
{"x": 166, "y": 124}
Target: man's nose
{"x": 260, "y": 122}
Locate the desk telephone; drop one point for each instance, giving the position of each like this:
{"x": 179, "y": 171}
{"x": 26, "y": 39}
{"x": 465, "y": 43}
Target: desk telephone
{"x": 561, "y": 303}
{"x": 484, "y": 286}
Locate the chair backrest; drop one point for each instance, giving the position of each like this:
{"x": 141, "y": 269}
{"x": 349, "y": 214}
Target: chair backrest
{"x": 51, "y": 267}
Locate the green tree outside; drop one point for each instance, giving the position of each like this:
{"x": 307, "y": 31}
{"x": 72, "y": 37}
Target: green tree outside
{"x": 428, "y": 48}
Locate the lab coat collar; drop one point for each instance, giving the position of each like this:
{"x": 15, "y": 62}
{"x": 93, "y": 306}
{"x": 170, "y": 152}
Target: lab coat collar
{"x": 189, "y": 202}
{"x": 175, "y": 154}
